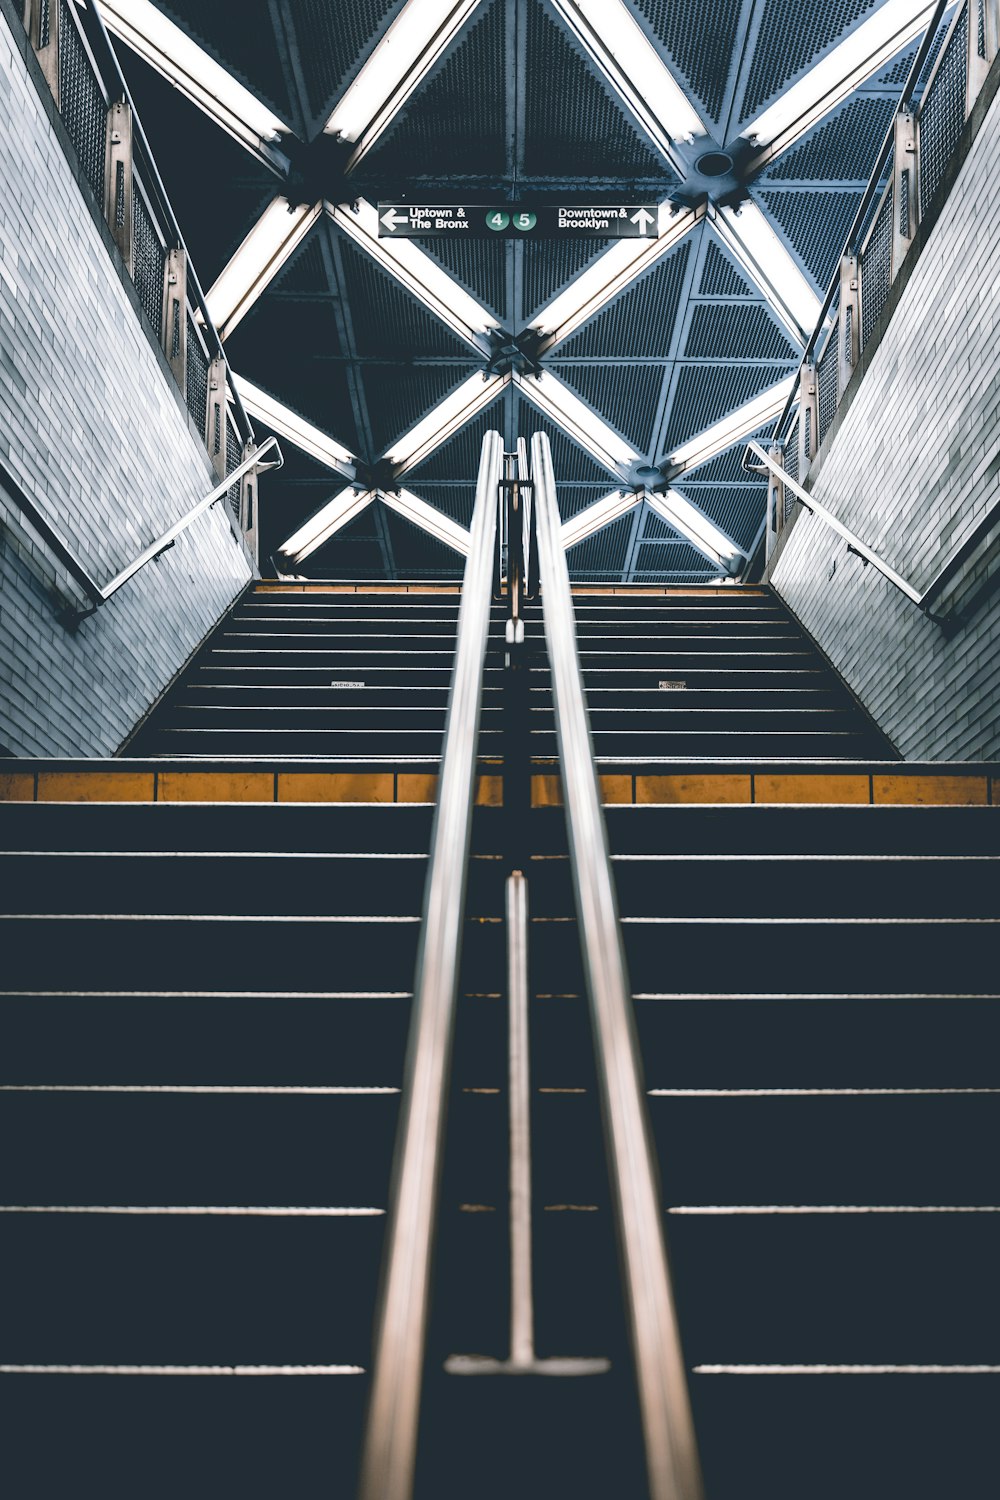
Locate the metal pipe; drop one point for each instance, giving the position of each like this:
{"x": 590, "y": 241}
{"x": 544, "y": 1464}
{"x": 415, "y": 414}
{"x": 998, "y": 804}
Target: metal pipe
{"x": 673, "y": 1467}
{"x": 390, "y": 1438}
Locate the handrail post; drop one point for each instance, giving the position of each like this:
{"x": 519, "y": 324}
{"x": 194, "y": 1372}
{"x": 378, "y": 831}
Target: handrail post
{"x": 808, "y": 415}
{"x": 775, "y": 501}
{"x": 248, "y": 504}
{"x": 849, "y": 329}
{"x": 390, "y": 1439}
{"x": 672, "y": 1464}
{"x": 906, "y": 197}
{"x": 118, "y": 179}
{"x": 173, "y": 334}
{"x": 42, "y": 23}
{"x": 215, "y": 416}
{"x": 983, "y": 40}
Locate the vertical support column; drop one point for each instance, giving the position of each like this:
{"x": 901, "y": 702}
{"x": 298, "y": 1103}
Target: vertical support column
{"x": 984, "y": 39}
{"x": 906, "y": 199}
{"x": 849, "y": 342}
{"x": 248, "y": 503}
{"x": 808, "y": 416}
{"x": 118, "y": 178}
{"x": 41, "y": 22}
{"x": 173, "y": 334}
{"x": 775, "y": 501}
{"x": 215, "y": 416}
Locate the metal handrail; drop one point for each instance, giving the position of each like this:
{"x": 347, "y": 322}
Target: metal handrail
{"x": 944, "y": 574}
{"x": 98, "y": 593}
{"x": 390, "y": 1440}
{"x": 673, "y": 1467}
{"x": 869, "y": 194}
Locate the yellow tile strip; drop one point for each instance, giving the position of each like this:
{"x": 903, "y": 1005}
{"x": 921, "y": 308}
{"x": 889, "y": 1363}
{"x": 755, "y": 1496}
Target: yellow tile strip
{"x": 836, "y": 788}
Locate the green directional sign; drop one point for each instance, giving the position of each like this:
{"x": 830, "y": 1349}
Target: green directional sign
{"x": 551, "y": 221}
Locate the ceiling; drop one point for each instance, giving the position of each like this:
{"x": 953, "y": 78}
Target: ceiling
{"x": 528, "y": 102}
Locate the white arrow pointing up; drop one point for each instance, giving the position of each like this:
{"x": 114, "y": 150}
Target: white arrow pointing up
{"x": 643, "y": 219}
{"x": 392, "y": 220}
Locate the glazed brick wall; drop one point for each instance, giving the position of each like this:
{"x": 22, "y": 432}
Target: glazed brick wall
{"x": 93, "y": 430}
{"x": 911, "y": 466}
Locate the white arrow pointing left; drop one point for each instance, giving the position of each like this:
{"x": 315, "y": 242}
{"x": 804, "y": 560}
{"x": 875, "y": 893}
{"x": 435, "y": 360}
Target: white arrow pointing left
{"x": 392, "y": 220}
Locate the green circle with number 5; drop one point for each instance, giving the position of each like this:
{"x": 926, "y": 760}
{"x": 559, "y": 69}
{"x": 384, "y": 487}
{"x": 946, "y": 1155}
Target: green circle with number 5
{"x": 525, "y": 221}
{"x": 497, "y": 220}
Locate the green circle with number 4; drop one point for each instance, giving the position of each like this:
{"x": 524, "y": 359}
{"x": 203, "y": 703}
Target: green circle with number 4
{"x": 525, "y": 221}
{"x": 497, "y": 220}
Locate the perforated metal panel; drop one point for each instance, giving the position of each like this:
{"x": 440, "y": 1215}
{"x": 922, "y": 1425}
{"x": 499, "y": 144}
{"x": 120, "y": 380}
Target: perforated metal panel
{"x": 816, "y": 225}
{"x": 573, "y": 127}
{"x": 826, "y": 384}
{"x": 454, "y": 124}
{"x": 418, "y": 554}
{"x": 458, "y": 459}
{"x": 841, "y": 149}
{"x": 627, "y": 396}
{"x": 148, "y": 256}
{"x": 333, "y": 41}
{"x": 604, "y": 554}
{"x": 197, "y": 379}
{"x": 240, "y": 37}
{"x": 735, "y": 332}
{"x": 720, "y": 278}
{"x": 673, "y": 562}
{"x": 398, "y": 397}
{"x": 640, "y": 321}
{"x": 550, "y": 267}
{"x": 791, "y": 36}
{"x": 703, "y": 395}
{"x": 942, "y": 113}
{"x": 480, "y": 266}
{"x": 700, "y": 37}
{"x": 388, "y": 322}
{"x": 82, "y": 101}
{"x": 737, "y": 509}
{"x": 876, "y": 268}
{"x": 234, "y": 455}
{"x": 569, "y": 462}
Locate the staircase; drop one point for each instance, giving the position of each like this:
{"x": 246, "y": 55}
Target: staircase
{"x": 210, "y": 949}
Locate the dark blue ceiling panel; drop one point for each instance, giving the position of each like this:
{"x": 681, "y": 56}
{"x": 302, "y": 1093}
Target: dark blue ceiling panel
{"x": 816, "y": 225}
{"x": 266, "y": 348}
{"x": 604, "y": 554}
{"x": 331, "y": 41}
{"x": 246, "y": 50}
{"x": 655, "y": 528}
{"x": 417, "y": 553}
{"x": 720, "y": 277}
{"x": 480, "y": 267}
{"x": 792, "y": 36}
{"x": 454, "y": 125}
{"x": 573, "y": 127}
{"x": 737, "y": 331}
{"x": 672, "y": 561}
{"x": 569, "y": 461}
{"x": 705, "y": 394}
{"x": 737, "y": 509}
{"x": 388, "y": 322}
{"x": 550, "y": 267}
{"x": 842, "y": 149}
{"x": 639, "y": 321}
{"x": 352, "y": 552}
{"x": 218, "y": 190}
{"x": 457, "y": 460}
{"x": 573, "y": 498}
{"x": 700, "y": 39}
{"x": 304, "y": 273}
{"x": 291, "y": 494}
{"x": 455, "y": 500}
{"x": 627, "y": 396}
{"x": 397, "y": 397}
{"x": 727, "y": 467}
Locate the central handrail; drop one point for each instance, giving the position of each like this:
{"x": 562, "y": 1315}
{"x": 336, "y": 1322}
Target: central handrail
{"x": 673, "y": 1468}
{"x": 390, "y": 1439}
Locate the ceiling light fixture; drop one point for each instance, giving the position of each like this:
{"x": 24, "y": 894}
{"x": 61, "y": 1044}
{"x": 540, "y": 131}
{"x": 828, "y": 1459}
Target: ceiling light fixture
{"x": 695, "y": 526}
{"x": 398, "y": 65}
{"x": 595, "y": 517}
{"x": 472, "y": 396}
{"x": 831, "y": 80}
{"x": 329, "y": 519}
{"x": 736, "y": 425}
{"x": 760, "y": 252}
{"x": 418, "y": 272}
{"x": 620, "y": 265}
{"x": 295, "y": 429}
{"x": 585, "y": 427}
{"x": 199, "y": 77}
{"x": 428, "y": 518}
{"x": 276, "y": 235}
{"x": 621, "y": 49}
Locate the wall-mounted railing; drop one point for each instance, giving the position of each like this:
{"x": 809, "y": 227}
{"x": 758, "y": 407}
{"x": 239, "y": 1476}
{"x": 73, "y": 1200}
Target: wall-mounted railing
{"x": 90, "y": 92}
{"x": 937, "y": 99}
